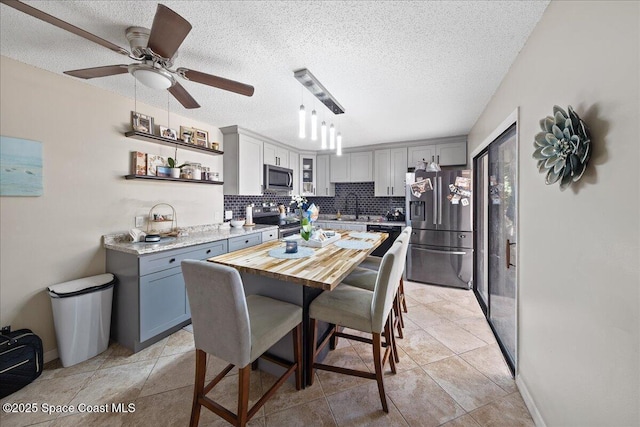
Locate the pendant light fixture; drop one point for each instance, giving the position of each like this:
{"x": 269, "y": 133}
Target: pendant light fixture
{"x": 314, "y": 126}
{"x": 303, "y": 125}
{"x": 339, "y": 144}
{"x": 312, "y": 84}
{"x": 332, "y": 137}
{"x": 323, "y": 135}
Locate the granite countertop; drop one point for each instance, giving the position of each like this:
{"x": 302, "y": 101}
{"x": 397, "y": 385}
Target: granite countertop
{"x": 195, "y": 235}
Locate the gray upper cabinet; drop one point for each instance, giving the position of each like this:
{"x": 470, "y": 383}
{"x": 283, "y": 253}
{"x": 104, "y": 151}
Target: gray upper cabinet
{"x": 452, "y": 154}
{"x": 294, "y": 164}
{"x": 275, "y": 155}
{"x": 390, "y": 169}
{"x": 352, "y": 167}
{"x": 339, "y": 170}
{"x": 445, "y": 154}
{"x": 324, "y": 186}
{"x": 361, "y": 166}
{"x": 243, "y": 162}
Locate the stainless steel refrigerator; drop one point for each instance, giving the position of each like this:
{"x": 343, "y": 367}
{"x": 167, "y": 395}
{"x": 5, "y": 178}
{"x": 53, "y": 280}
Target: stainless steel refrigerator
{"x": 439, "y": 210}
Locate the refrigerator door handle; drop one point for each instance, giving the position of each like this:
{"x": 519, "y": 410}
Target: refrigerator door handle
{"x": 435, "y": 202}
{"x": 435, "y": 251}
{"x": 440, "y": 200}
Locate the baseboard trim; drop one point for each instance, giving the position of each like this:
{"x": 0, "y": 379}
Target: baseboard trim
{"x": 50, "y": 355}
{"x": 528, "y": 400}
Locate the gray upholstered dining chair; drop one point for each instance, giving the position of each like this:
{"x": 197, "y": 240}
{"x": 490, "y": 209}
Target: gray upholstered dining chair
{"x": 362, "y": 310}
{"x": 238, "y": 330}
{"x": 364, "y": 276}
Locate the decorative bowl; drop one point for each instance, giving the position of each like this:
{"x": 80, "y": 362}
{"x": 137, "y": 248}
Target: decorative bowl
{"x": 237, "y": 223}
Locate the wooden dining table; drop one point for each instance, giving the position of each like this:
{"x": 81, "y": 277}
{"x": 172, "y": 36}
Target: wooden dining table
{"x": 299, "y": 281}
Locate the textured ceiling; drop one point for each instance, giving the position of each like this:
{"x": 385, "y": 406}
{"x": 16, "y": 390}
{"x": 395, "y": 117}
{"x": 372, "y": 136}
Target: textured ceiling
{"x": 402, "y": 70}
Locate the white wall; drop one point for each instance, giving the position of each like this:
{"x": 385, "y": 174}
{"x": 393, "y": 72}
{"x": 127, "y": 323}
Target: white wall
{"x": 57, "y": 237}
{"x": 579, "y": 330}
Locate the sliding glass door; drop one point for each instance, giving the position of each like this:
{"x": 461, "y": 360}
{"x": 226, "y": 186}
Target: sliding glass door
{"x": 495, "y": 281}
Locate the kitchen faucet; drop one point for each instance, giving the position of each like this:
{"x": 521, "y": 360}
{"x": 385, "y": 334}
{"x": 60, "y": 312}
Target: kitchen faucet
{"x": 346, "y": 203}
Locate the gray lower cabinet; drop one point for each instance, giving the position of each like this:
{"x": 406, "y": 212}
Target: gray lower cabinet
{"x": 150, "y": 300}
{"x": 243, "y": 242}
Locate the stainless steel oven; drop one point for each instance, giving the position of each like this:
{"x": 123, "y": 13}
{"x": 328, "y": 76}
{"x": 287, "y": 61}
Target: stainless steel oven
{"x": 269, "y": 215}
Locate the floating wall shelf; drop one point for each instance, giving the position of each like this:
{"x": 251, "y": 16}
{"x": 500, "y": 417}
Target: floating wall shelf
{"x": 167, "y": 178}
{"x": 171, "y": 142}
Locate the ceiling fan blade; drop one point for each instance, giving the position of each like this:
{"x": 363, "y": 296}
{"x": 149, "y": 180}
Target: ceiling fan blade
{"x": 181, "y": 94}
{"x": 36, "y": 13}
{"x": 91, "y": 73}
{"x": 167, "y": 32}
{"x": 215, "y": 81}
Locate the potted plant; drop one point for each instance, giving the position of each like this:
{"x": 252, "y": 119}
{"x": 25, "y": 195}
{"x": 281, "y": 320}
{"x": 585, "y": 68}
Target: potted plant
{"x": 175, "y": 170}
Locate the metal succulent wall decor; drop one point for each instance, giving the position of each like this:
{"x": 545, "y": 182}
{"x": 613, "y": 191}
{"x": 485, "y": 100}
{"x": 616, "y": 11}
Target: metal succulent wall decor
{"x": 563, "y": 147}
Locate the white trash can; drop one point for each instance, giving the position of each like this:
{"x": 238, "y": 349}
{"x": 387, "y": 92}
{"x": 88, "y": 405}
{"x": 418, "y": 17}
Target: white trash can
{"x": 82, "y": 316}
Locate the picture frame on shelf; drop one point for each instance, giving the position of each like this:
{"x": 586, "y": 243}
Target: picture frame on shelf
{"x": 153, "y": 162}
{"x": 201, "y": 137}
{"x": 142, "y": 123}
{"x": 187, "y": 134}
{"x": 168, "y": 133}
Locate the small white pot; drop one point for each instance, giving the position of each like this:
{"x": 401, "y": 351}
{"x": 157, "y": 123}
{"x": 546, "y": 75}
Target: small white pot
{"x": 175, "y": 172}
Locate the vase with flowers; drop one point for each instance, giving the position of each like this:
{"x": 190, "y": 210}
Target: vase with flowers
{"x": 305, "y": 222}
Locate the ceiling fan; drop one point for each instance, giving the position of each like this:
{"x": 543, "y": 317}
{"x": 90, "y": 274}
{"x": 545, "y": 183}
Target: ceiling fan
{"x": 155, "y": 50}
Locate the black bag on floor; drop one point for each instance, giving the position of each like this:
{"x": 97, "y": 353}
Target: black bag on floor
{"x": 20, "y": 360}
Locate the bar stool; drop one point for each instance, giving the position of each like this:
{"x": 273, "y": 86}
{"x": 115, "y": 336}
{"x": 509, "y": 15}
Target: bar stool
{"x": 361, "y": 310}
{"x": 236, "y": 329}
{"x": 365, "y": 278}
{"x": 373, "y": 263}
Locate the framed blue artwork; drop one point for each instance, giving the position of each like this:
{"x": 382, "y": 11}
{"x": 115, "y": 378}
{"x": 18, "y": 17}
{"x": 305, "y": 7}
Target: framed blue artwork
{"x": 20, "y": 167}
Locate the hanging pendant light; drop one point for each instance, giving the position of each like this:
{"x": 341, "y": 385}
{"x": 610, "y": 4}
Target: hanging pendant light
{"x": 323, "y": 135}
{"x": 303, "y": 125}
{"x": 339, "y": 144}
{"x": 332, "y": 137}
{"x": 314, "y": 126}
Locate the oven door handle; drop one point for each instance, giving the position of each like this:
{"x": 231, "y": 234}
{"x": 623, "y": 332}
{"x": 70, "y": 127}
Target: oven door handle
{"x": 435, "y": 251}
{"x": 290, "y": 184}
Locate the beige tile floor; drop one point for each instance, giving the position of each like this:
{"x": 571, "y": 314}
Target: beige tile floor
{"x": 451, "y": 373}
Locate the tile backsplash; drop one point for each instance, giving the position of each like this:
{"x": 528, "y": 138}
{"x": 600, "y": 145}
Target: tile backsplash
{"x": 367, "y": 203}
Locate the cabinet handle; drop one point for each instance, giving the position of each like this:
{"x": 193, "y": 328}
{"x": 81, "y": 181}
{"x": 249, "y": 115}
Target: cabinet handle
{"x": 392, "y": 191}
{"x": 387, "y": 191}
{"x": 172, "y": 260}
{"x": 438, "y": 157}
{"x": 246, "y": 241}
{"x": 209, "y": 251}
{"x": 432, "y": 158}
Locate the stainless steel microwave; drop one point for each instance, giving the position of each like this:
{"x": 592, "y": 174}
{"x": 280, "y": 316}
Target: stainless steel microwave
{"x": 277, "y": 178}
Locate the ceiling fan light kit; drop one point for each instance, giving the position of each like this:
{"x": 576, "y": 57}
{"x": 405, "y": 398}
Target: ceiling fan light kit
{"x": 153, "y": 77}
{"x": 156, "y": 48}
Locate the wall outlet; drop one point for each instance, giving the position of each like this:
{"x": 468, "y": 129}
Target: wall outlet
{"x": 139, "y": 221}
{"x": 228, "y": 215}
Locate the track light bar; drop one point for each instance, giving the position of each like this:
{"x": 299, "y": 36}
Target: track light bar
{"x": 309, "y": 81}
